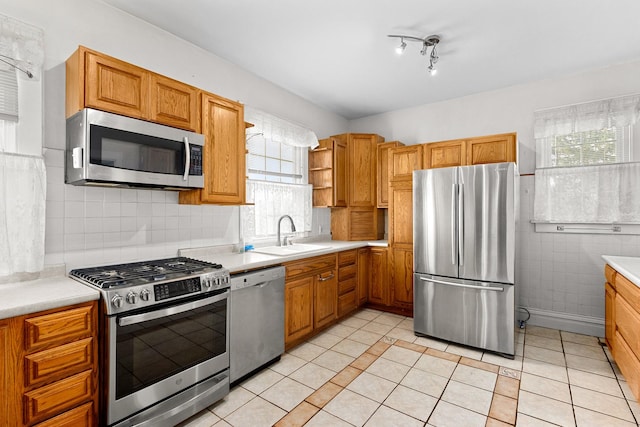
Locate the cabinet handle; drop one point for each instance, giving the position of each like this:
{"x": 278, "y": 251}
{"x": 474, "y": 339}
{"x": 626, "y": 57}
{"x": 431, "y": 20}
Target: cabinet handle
{"x": 324, "y": 279}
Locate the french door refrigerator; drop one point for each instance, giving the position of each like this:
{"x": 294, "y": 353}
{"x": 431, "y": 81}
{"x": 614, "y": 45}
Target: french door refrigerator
{"x": 464, "y": 221}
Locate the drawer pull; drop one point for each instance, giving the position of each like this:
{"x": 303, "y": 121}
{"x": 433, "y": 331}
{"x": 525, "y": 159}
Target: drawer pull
{"x": 324, "y": 279}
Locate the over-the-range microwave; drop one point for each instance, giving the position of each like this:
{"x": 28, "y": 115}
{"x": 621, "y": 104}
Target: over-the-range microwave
{"x": 106, "y": 149}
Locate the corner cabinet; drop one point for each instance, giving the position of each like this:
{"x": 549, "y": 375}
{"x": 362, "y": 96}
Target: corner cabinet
{"x": 328, "y": 173}
{"x": 224, "y": 153}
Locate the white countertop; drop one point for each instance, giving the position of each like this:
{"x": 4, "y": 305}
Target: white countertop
{"x": 628, "y": 266}
{"x": 20, "y": 298}
{"x": 238, "y": 262}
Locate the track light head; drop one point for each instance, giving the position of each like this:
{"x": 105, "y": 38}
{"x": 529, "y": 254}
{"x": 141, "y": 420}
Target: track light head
{"x": 427, "y": 42}
{"x": 401, "y": 47}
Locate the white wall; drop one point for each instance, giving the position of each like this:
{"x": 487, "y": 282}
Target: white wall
{"x": 560, "y": 276}
{"x": 93, "y": 226}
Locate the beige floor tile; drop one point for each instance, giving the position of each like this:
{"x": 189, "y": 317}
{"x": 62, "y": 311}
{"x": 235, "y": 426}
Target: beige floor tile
{"x": 387, "y": 417}
{"x": 545, "y": 408}
{"x": 324, "y": 394}
{"x": 602, "y": 403}
{"x": 626, "y": 391}
{"x": 406, "y": 324}
{"x": 507, "y": 386}
{"x": 222, "y": 423}
{"x": 325, "y": 419}
{"x": 432, "y": 343}
{"x": 344, "y": 377}
{"x": 287, "y": 364}
{"x": 257, "y": 413}
{"x": 354, "y": 322}
{"x": 299, "y": 416}
{"x": 425, "y": 382}
{"x": 545, "y": 387}
{"x": 635, "y": 408}
{"x": 326, "y": 340}
{"x": 287, "y": 393}
{"x": 333, "y": 360}
{"x": 372, "y": 386}
{"x": 503, "y": 409}
{"x": 540, "y": 368}
{"x": 312, "y": 375}
{"x": 545, "y": 355}
{"x": 411, "y": 402}
{"x": 377, "y": 328}
{"x": 542, "y": 342}
{"x": 489, "y": 367}
{"x": 590, "y": 365}
{"x": 342, "y": 331}
{"x": 460, "y": 350}
{"x": 523, "y": 420}
{"x": 520, "y": 334}
{"x": 448, "y": 415}
{"x": 365, "y": 337}
{"x": 515, "y": 363}
{"x": 364, "y": 361}
{"x": 587, "y": 418}
{"x": 307, "y": 351}
{"x": 435, "y": 365}
{"x": 542, "y": 332}
{"x": 352, "y": 407}
{"x": 585, "y": 351}
{"x": 201, "y": 419}
{"x": 579, "y": 338}
{"x": 520, "y": 348}
{"x": 468, "y": 397}
{"x": 237, "y": 397}
{"x": 390, "y": 319}
{"x": 388, "y": 369}
{"x": 350, "y": 347}
{"x": 262, "y": 381}
{"x": 367, "y": 314}
{"x": 401, "y": 355}
{"x": 595, "y": 382}
{"x": 411, "y": 346}
{"x": 402, "y": 334}
{"x": 475, "y": 377}
{"x": 511, "y": 373}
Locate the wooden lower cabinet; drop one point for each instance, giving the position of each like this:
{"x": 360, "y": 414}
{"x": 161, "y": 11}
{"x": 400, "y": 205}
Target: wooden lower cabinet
{"x": 347, "y": 282}
{"x": 364, "y": 256}
{"x": 49, "y": 368}
{"x": 378, "y": 292}
{"x": 325, "y": 298}
{"x": 298, "y": 308}
{"x": 609, "y": 307}
{"x": 401, "y": 278}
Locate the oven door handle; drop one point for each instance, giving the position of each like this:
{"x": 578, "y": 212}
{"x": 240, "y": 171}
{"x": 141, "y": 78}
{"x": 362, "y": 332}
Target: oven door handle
{"x": 156, "y": 314}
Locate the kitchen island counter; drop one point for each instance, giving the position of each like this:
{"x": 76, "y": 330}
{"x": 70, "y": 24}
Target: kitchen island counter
{"x": 628, "y": 266}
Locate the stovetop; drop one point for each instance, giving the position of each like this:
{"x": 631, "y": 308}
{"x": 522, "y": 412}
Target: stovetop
{"x": 142, "y": 273}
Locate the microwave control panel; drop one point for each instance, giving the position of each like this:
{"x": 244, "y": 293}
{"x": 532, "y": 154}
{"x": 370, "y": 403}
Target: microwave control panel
{"x": 196, "y": 160}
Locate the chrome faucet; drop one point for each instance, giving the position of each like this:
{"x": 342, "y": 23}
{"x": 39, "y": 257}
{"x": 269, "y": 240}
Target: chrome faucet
{"x": 293, "y": 227}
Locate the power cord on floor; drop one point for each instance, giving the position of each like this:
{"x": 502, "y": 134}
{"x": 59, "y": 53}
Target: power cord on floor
{"x": 523, "y": 322}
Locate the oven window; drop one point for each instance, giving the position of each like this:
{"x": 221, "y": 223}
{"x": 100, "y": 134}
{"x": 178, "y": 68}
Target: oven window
{"x": 153, "y": 350}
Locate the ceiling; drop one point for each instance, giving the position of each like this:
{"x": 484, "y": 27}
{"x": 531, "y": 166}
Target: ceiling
{"x": 336, "y": 53}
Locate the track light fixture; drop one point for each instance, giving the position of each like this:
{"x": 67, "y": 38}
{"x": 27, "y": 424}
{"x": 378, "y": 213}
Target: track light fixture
{"x": 427, "y": 42}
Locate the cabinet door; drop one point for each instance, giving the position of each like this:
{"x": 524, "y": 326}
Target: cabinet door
{"x": 401, "y": 215}
{"x": 325, "y": 298}
{"x": 402, "y": 278}
{"x": 363, "y": 275}
{"x": 403, "y": 161}
{"x": 362, "y": 170}
{"x": 174, "y": 103}
{"x": 224, "y": 151}
{"x": 115, "y": 86}
{"x": 609, "y": 319}
{"x": 378, "y": 279}
{"x": 383, "y": 172}
{"x": 491, "y": 149}
{"x": 340, "y": 173}
{"x": 298, "y": 303}
{"x": 444, "y": 154}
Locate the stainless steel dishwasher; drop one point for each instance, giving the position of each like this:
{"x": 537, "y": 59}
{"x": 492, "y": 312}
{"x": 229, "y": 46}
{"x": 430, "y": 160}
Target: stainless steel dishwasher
{"x": 256, "y": 320}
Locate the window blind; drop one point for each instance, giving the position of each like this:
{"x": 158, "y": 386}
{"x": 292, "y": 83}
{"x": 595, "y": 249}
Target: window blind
{"x": 8, "y": 95}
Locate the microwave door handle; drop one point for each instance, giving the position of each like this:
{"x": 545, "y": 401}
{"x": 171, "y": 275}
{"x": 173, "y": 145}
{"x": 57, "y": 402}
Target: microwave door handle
{"x": 187, "y": 159}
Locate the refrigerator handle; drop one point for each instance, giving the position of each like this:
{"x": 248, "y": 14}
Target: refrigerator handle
{"x": 461, "y": 223}
{"x": 454, "y": 249}
{"x": 463, "y": 285}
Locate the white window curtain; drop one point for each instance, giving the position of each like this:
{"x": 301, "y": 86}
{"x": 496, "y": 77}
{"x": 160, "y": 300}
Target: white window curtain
{"x": 588, "y": 194}
{"x": 615, "y": 112}
{"x": 22, "y": 213}
{"x": 279, "y": 130}
{"x": 260, "y": 220}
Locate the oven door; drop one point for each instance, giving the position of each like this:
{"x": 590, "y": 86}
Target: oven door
{"x": 157, "y": 353}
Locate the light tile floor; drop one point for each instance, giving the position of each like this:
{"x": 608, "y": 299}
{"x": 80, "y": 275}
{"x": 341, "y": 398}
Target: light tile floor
{"x": 371, "y": 370}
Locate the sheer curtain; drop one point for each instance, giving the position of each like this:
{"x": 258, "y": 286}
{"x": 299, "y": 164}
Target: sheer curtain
{"x": 22, "y": 213}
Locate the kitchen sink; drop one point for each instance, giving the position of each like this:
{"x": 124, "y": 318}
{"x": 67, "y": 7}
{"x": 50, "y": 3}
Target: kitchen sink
{"x": 296, "y": 248}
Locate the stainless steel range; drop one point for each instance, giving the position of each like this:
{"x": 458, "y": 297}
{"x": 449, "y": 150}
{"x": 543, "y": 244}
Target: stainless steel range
{"x": 164, "y": 339}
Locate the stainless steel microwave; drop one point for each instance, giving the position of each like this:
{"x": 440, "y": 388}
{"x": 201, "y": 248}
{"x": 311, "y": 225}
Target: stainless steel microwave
{"x": 106, "y": 149}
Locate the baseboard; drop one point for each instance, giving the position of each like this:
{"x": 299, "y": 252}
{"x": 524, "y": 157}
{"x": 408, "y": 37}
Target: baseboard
{"x": 576, "y": 323}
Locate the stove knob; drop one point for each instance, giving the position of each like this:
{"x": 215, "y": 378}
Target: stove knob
{"x": 132, "y": 297}
{"x": 144, "y": 295}
{"x": 116, "y": 301}
{"x": 207, "y": 282}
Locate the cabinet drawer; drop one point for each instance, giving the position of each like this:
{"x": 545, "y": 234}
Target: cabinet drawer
{"x": 82, "y": 416}
{"x": 610, "y": 275}
{"x": 58, "y": 328}
{"x": 310, "y": 265}
{"x": 347, "y": 272}
{"x": 346, "y": 285}
{"x": 347, "y": 257}
{"x": 629, "y": 291}
{"x": 629, "y": 364}
{"x": 346, "y": 303}
{"x": 58, "y": 362}
{"x": 628, "y": 324}
{"x": 53, "y": 399}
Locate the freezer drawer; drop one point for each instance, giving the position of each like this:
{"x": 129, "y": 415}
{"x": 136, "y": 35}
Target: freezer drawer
{"x": 466, "y": 312}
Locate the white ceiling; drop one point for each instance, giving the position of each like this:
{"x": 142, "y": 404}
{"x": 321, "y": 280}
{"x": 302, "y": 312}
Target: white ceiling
{"x": 336, "y": 53}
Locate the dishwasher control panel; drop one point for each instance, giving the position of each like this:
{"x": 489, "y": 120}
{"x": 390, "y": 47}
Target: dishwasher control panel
{"x": 256, "y": 277}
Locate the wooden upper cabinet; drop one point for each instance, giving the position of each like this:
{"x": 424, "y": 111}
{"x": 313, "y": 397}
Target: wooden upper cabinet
{"x": 383, "y": 172}
{"x": 444, "y": 154}
{"x": 401, "y": 215}
{"x": 403, "y": 161}
{"x": 362, "y": 149}
{"x": 328, "y": 173}
{"x": 491, "y": 149}
{"x": 99, "y": 81}
{"x": 174, "y": 103}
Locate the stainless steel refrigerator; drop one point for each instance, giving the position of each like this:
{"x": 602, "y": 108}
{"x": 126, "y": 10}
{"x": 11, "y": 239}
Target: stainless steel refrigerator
{"x": 464, "y": 221}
